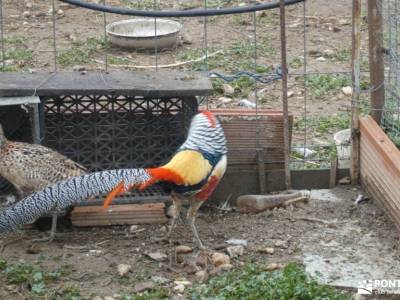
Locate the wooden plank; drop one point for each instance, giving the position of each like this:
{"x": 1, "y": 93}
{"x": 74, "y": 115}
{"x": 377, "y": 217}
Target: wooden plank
{"x": 128, "y": 214}
{"x": 147, "y": 84}
{"x": 119, "y": 208}
{"x": 380, "y": 167}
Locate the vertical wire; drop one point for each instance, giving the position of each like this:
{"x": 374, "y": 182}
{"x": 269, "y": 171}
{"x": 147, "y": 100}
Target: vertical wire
{"x": 205, "y": 45}
{"x": 105, "y": 39}
{"x": 54, "y": 34}
{"x": 305, "y": 78}
{"x": 3, "y": 48}
{"x": 397, "y": 67}
{"x": 155, "y": 36}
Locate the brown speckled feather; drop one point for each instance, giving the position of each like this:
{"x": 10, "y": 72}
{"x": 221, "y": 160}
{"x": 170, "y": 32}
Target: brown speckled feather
{"x": 32, "y": 167}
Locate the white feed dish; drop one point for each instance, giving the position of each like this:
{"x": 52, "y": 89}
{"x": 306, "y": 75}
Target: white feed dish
{"x": 144, "y": 33}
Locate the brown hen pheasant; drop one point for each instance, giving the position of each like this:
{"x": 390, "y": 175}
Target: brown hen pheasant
{"x": 32, "y": 167}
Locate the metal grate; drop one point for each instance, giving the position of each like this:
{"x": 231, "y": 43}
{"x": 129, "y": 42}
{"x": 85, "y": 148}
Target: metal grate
{"x": 114, "y": 131}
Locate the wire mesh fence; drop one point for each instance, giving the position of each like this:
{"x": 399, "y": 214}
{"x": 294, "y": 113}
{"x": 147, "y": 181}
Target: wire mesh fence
{"x": 241, "y": 53}
{"x": 390, "y": 10}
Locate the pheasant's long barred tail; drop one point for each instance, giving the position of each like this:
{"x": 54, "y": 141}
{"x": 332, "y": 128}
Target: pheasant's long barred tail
{"x": 67, "y": 193}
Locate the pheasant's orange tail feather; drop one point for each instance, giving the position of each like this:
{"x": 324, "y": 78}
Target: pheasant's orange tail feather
{"x": 118, "y": 190}
{"x": 161, "y": 174}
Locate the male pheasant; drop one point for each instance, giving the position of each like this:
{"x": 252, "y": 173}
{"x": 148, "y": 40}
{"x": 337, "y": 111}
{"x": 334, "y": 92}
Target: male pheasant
{"x": 193, "y": 172}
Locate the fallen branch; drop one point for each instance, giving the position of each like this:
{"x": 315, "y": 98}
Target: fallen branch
{"x": 178, "y": 64}
{"x": 309, "y": 219}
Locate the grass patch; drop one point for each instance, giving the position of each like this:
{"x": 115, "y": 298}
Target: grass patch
{"x": 296, "y": 63}
{"x": 35, "y": 279}
{"x": 325, "y": 84}
{"x": 17, "y": 53}
{"x": 323, "y": 124}
{"x": 158, "y": 293}
{"x": 253, "y": 282}
{"x": 81, "y": 52}
{"x": 239, "y": 55}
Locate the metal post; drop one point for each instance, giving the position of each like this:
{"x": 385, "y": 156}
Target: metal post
{"x": 355, "y": 107}
{"x": 35, "y": 123}
{"x": 376, "y": 65}
{"x": 284, "y": 95}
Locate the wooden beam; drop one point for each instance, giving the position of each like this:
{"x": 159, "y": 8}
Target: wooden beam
{"x": 146, "y": 84}
{"x": 376, "y": 65}
{"x": 288, "y": 180}
{"x": 261, "y": 170}
{"x": 333, "y": 172}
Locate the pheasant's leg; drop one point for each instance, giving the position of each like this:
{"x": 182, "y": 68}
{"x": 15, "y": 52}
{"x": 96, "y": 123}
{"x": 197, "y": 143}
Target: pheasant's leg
{"x": 191, "y": 216}
{"x": 176, "y": 211}
{"x": 53, "y": 230}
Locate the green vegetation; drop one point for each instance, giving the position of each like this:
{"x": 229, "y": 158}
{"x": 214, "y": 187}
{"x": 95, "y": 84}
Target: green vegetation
{"x": 253, "y": 282}
{"x": 158, "y": 293}
{"x": 296, "y": 63}
{"x": 17, "y": 53}
{"x": 81, "y": 52}
{"x": 325, "y": 84}
{"x": 323, "y": 124}
{"x": 239, "y": 55}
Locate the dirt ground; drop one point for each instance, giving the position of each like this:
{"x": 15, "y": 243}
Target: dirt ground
{"x": 339, "y": 242}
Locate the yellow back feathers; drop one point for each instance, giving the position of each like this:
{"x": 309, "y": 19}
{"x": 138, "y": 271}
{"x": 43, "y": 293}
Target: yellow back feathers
{"x": 190, "y": 165}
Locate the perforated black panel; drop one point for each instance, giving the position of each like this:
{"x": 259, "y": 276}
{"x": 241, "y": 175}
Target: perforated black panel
{"x": 114, "y": 131}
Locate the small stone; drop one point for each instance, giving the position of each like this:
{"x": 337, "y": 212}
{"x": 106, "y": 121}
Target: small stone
{"x": 235, "y": 251}
{"x": 108, "y": 298}
{"x": 60, "y": 12}
{"x": 219, "y": 259}
{"x": 158, "y": 256}
{"x": 28, "y": 5}
{"x": 144, "y": 286}
{"x": 221, "y": 269}
{"x": 267, "y": 250}
{"x": 321, "y": 58}
{"x": 345, "y": 180}
{"x": 180, "y": 288}
{"x": 26, "y": 14}
{"x": 190, "y": 269}
{"x": 202, "y": 260}
{"x": 123, "y": 269}
{"x": 228, "y": 89}
{"x": 274, "y": 266}
{"x": 281, "y": 244}
{"x": 290, "y": 94}
{"x": 40, "y": 14}
{"x": 33, "y": 249}
{"x": 183, "y": 282}
{"x": 183, "y": 249}
{"x": 170, "y": 211}
{"x": 225, "y": 100}
{"x": 347, "y": 90}
{"x": 133, "y": 228}
{"x": 237, "y": 242}
{"x": 201, "y": 276}
{"x": 328, "y": 52}
{"x": 97, "y": 298}
{"x": 78, "y": 68}
{"x": 246, "y": 103}
{"x": 160, "y": 279}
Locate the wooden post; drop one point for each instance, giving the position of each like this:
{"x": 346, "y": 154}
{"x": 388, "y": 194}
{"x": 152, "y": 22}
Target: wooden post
{"x": 261, "y": 170}
{"x": 355, "y": 106}
{"x": 285, "y": 105}
{"x": 376, "y": 65}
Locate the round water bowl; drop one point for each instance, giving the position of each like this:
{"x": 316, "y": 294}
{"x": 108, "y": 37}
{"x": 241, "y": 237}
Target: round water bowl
{"x": 144, "y": 33}
{"x": 343, "y": 147}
